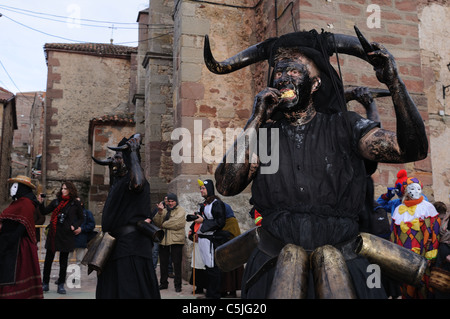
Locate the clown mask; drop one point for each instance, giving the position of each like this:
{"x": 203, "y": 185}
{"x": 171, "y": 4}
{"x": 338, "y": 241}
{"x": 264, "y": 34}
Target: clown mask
{"x": 413, "y": 191}
{"x": 14, "y": 188}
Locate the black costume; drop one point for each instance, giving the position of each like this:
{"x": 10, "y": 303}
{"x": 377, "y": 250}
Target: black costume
{"x": 316, "y": 197}
{"x": 129, "y": 271}
{"x": 317, "y": 193}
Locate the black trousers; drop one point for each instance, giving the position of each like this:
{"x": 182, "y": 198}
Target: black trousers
{"x": 63, "y": 261}
{"x": 214, "y": 282}
{"x": 176, "y": 252}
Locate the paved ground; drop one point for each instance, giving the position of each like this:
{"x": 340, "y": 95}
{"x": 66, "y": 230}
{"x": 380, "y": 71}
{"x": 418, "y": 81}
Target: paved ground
{"x": 85, "y": 287}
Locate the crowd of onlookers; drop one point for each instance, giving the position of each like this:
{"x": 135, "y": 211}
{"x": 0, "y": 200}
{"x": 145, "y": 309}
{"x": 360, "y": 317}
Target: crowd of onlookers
{"x": 402, "y": 215}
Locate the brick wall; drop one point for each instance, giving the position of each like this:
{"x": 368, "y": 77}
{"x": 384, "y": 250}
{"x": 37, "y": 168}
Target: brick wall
{"x": 398, "y": 31}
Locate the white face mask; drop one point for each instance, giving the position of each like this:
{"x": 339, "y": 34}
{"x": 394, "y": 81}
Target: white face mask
{"x": 413, "y": 191}
{"x": 14, "y": 188}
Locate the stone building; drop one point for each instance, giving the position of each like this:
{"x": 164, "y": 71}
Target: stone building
{"x": 21, "y": 155}
{"x": 178, "y": 92}
{"x": 37, "y": 133}
{"x": 8, "y": 123}
{"x": 85, "y": 81}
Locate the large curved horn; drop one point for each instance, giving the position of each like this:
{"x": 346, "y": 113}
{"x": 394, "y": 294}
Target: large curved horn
{"x": 105, "y": 162}
{"x": 345, "y": 44}
{"x": 253, "y": 54}
{"x": 119, "y": 148}
{"x": 125, "y": 146}
{"x": 340, "y": 43}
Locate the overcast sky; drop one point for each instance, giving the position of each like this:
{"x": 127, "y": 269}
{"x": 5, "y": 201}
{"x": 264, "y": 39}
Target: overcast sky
{"x": 26, "y": 25}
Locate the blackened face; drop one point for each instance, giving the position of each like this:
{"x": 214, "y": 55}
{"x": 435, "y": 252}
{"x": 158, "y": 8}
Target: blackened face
{"x": 118, "y": 166}
{"x": 291, "y": 78}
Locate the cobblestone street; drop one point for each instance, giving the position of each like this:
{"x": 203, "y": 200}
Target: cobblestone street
{"x": 85, "y": 287}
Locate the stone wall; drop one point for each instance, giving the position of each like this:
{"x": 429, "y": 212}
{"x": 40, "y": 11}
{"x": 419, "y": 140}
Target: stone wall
{"x": 205, "y": 102}
{"x": 434, "y": 23}
{"x": 80, "y": 87}
{"x": 7, "y": 126}
{"x": 156, "y": 85}
{"x": 21, "y": 159}
{"x": 37, "y": 125}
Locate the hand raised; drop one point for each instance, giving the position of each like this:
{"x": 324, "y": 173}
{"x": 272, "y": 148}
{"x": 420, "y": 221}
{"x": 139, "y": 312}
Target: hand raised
{"x": 383, "y": 63}
{"x": 265, "y": 103}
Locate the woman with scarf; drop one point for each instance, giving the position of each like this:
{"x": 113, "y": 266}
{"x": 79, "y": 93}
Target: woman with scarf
{"x": 66, "y": 217}
{"x": 210, "y": 235}
{"x": 20, "y": 275}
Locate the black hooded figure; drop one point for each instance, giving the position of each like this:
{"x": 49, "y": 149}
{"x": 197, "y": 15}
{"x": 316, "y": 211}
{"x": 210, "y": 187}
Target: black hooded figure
{"x": 129, "y": 272}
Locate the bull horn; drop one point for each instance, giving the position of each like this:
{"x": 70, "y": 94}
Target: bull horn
{"x": 119, "y": 148}
{"x": 253, "y": 54}
{"x": 339, "y": 43}
{"x": 105, "y": 162}
{"x": 345, "y": 44}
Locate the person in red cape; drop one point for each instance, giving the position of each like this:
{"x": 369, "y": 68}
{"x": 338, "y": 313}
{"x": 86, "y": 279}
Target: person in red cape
{"x": 20, "y": 275}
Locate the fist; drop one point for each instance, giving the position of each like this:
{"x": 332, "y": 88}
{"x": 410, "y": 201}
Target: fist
{"x": 265, "y": 103}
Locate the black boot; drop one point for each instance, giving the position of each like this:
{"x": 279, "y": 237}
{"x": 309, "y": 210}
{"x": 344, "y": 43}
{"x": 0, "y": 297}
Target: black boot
{"x": 61, "y": 289}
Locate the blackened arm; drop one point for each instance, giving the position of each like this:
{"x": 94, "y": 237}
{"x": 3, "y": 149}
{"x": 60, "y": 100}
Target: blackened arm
{"x": 137, "y": 178}
{"x": 236, "y": 170}
{"x": 238, "y": 166}
{"x": 409, "y": 143}
{"x": 137, "y": 174}
{"x": 364, "y": 96}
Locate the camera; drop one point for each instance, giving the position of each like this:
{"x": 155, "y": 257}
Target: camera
{"x": 43, "y": 195}
{"x": 191, "y": 217}
{"x": 61, "y": 218}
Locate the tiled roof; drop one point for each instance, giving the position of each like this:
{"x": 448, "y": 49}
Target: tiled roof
{"x": 5, "y": 95}
{"x": 101, "y": 49}
{"x": 122, "y": 119}
{"x": 117, "y": 118}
